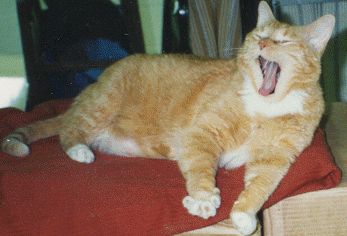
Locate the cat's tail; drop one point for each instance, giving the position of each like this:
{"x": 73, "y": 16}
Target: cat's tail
{"x": 16, "y": 143}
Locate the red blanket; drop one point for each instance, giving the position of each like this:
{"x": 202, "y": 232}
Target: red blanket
{"x": 46, "y": 193}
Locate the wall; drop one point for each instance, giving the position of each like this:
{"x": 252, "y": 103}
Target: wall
{"x": 13, "y": 86}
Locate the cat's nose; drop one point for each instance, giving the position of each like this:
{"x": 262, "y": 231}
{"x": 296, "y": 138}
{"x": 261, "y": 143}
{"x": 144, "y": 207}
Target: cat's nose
{"x": 263, "y": 43}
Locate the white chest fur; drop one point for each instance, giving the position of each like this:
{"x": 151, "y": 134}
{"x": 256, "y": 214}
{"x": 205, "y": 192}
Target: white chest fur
{"x": 292, "y": 103}
{"x": 107, "y": 143}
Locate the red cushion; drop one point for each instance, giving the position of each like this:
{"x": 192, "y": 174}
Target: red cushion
{"x": 46, "y": 193}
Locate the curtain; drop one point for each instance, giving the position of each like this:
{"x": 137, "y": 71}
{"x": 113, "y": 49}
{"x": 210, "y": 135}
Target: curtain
{"x": 334, "y": 61}
{"x": 215, "y": 27}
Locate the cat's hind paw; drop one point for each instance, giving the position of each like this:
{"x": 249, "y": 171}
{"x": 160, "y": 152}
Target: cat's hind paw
{"x": 204, "y": 207}
{"x": 14, "y": 147}
{"x": 81, "y": 153}
{"x": 245, "y": 223}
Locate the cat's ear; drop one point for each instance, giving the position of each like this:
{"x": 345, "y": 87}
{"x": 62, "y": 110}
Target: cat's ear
{"x": 264, "y": 14}
{"x": 318, "y": 33}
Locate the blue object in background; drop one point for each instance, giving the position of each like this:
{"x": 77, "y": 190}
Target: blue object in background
{"x": 69, "y": 84}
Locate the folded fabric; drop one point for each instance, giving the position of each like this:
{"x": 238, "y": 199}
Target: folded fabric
{"x": 46, "y": 193}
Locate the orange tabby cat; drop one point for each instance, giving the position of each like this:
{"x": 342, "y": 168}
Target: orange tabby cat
{"x": 259, "y": 110}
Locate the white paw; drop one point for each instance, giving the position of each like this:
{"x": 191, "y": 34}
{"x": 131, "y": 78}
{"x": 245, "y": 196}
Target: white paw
{"x": 205, "y": 207}
{"x": 245, "y": 223}
{"x": 81, "y": 153}
{"x": 14, "y": 147}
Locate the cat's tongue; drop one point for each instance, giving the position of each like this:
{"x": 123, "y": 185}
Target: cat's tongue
{"x": 270, "y": 70}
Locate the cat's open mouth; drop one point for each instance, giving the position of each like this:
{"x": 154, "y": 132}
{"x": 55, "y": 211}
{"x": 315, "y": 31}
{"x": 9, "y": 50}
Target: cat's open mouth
{"x": 271, "y": 72}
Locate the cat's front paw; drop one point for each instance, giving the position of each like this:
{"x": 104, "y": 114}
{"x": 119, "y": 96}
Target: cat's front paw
{"x": 245, "y": 223}
{"x": 81, "y": 153}
{"x": 205, "y": 205}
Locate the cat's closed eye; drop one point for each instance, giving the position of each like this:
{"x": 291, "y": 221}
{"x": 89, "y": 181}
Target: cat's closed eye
{"x": 276, "y": 40}
{"x": 260, "y": 36}
{"x": 283, "y": 41}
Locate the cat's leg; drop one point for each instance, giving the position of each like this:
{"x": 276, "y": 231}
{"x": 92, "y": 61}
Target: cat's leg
{"x": 83, "y": 121}
{"x": 262, "y": 176}
{"x": 203, "y": 196}
{"x": 78, "y": 127}
{"x": 17, "y": 142}
{"x": 198, "y": 163}
{"x": 74, "y": 143}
